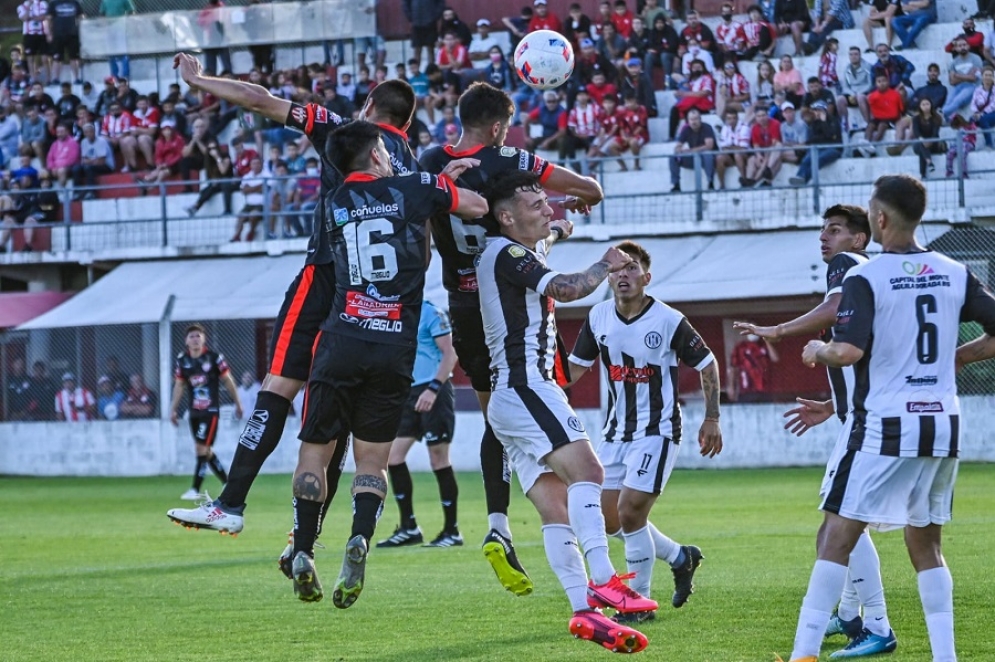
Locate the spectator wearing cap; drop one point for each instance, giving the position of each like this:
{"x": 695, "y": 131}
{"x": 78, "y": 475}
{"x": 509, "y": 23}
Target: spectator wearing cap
{"x": 886, "y": 107}
{"x": 590, "y": 61}
{"x": 964, "y": 75}
{"x": 695, "y": 136}
{"x": 794, "y": 133}
{"x": 543, "y": 19}
{"x": 730, "y": 37}
{"x": 480, "y": 46}
{"x": 74, "y": 404}
{"x": 698, "y": 92}
{"x": 763, "y": 166}
{"x": 109, "y": 399}
{"x": 622, "y": 19}
{"x": 168, "y": 154}
{"x": 636, "y": 81}
{"x": 824, "y": 131}
{"x": 63, "y": 155}
{"x": 552, "y": 118}
{"x": 664, "y": 45}
{"x": 577, "y": 27}
{"x": 451, "y": 22}
{"x": 733, "y": 141}
{"x": 424, "y": 17}
{"x": 732, "y": 91}
{"x": 96, "y": 158}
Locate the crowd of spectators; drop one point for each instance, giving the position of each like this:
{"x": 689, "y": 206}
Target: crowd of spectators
{"x": 623, "y": 57}
{"x": 36, "y": 396}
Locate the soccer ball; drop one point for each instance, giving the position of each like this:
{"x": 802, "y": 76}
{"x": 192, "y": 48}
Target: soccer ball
{"x": 544, "y": 59}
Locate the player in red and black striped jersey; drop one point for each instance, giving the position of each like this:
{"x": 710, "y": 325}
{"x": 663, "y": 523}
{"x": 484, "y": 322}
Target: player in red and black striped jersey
{"x": 309, "y": 298}
{"x": 363, "y": 358}
{"x": 200, "y": 372}
{"x": 485, "y": 113}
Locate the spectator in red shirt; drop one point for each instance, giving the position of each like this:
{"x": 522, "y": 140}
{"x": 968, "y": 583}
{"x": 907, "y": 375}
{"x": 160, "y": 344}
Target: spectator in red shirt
{"x": 886, "y": 107}
{"x": 140, "y": 402}
{"x": 762, "y": 167}
{"x": 168, "y": 154}
{"x": 242, "y": 160}
{"x": 749, "y": 369}
{"x": 600, "y": 90}
{"x": 698, "y": 92}
{"x": 975, "y": 40}
{"x": 146, "y": 127}
{"x": 542, "y": 19}
{"x": 609, "y": 141}
{"x": 622, "y": 19}
{"x": 635, "y": 127}
{"x": 116, "y": 127}
{"x": 452, "y": 55}
{"x": 729, "y": 35}
{"x": 583, "y": 122}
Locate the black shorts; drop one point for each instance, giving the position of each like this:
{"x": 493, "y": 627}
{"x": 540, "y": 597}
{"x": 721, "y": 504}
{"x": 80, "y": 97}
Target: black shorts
{"x": 434, "y": 426}
{"x": 356, "y": 387}
{"x": 471, "y": 346}
{"x": 35, "y": 44}
{"x": 424, "y": 35}
{"x": 305, "y": 306}
{"x": 65, "y": 47}
{"x": 204, "y": 426}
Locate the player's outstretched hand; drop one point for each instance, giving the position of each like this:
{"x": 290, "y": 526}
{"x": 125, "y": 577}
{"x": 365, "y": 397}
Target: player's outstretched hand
{"x": 565, "y": 226}
{"x": 616, "y": 259}
{"x": 809, "y": 353}
{"x": 457, "y": 167}
{"x": 710, "y": 439}
{"x": 575, "y": 204}
{"x": 807, "y": 415}
{"x": 188, "y": 66}
{"x": 425, "y": 401}
{"x": 766, "y": 332}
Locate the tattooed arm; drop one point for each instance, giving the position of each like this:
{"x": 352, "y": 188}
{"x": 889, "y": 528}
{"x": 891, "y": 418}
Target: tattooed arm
{"x": 570, "y": 287}
{"x": 981, "y": 348}
{"x": 710, "y": 435}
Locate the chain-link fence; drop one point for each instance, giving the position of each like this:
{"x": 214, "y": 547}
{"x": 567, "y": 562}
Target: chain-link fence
{"x": 116, "y": 372}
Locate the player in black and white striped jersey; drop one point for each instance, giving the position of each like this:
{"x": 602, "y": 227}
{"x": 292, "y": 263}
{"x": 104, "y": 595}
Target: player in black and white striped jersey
{"x": 641, "y": 341}
{"x": 843, "y": 239}
{"x": 897, "y": 324}
{"x": 544, "y": 439}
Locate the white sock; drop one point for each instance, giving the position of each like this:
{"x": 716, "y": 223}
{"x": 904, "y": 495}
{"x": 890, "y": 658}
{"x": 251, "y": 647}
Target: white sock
{"x": 588, "y": 523}
{"x": 499, "y": 522}
{"x": 936, "y": 591}
{"x": 666, "y": 549}
{"x": 824, "y": 590}
{"x": 640, "y": 555}
{"x": 865, "y": 577}
{"x": 567, "y": 563}
{"x": 849, "y": 607}
{"x": 618, "y": 535}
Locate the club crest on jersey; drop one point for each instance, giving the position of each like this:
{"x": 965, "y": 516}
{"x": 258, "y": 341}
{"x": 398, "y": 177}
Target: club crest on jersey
{"x": 516, "y": 251}
{"x": 653, "y": 340}
{"x": 340, "y": 215}
{"x": 507, "y": 151}
{"x": 575, "y": 424}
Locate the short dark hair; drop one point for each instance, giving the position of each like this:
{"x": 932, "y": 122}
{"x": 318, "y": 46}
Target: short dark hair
{"x": 482, "y": 105}
{"x": 855, "y": 48}
{"x": 503, "y": 187}
{"x": 856, "y": 218}
{"x": 413, "y": 61}
{"x": 394, "y": 101}
{"x": 813, "y": 79}
{"x": 636, "y": 252}
{"x": 932, "y": 65}
{"x": 348, "y": 146}
{"x": 196, "y": 326}
{"x": 902, "y": 194}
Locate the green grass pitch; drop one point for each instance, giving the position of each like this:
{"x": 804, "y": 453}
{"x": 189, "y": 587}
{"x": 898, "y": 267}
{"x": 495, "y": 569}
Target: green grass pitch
{"x": 91, "y": 569}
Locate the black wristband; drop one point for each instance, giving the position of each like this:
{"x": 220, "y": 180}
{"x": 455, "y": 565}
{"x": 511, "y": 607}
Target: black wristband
{"x": 558, "y": 231}
{"x": 434, "y": 386}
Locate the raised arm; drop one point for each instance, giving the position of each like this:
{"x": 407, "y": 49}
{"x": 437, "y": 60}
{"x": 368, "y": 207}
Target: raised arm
{"x": 569, "y": 182}
{"x": 247, "y": 95}
{"x": 570, "y": 287}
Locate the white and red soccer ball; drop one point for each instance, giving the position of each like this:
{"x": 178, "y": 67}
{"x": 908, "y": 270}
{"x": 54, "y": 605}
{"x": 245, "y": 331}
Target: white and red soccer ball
{"x": 544, "y": 59}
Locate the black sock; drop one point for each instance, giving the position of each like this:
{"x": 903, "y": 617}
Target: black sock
{"x": 218, "y": 469}
{"x": 366, "y": 509}
{"x": 332, "y": 476}
{"x": 306, "y": 516}
{"x": 497, "y": 477}
{"x": 448, "y": 493}
{"x": 261, "y": 435}
{"x": 400, "y": 482}
{"x": 198, "y": 473}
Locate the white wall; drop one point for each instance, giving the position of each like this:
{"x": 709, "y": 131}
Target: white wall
{"x": 754, "y": 437}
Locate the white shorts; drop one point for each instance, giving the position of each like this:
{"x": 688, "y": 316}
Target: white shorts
{"x": 643, "y": 465}
{"x": 531, "y": 422}
{"x": 839, "y": 450}
{"x": 892, "y": 491}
